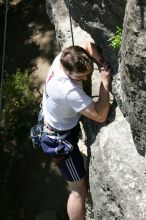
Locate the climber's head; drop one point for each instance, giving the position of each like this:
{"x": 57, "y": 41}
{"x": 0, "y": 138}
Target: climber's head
{"x": 76, "y": 62}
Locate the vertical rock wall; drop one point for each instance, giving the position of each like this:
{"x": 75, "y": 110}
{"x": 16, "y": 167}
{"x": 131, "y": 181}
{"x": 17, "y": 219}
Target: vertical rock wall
{"x": 133, "y": 71}
{"x": 116, "y": 168}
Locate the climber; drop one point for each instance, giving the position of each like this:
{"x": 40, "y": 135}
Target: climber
{"x": 64, "y": 101}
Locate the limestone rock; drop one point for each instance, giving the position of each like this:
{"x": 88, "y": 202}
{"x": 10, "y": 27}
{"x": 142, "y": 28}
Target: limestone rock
{"x": 132, "y": 72}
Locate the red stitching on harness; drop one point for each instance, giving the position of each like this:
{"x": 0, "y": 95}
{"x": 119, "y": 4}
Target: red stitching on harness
{"x": 56, "y": 132}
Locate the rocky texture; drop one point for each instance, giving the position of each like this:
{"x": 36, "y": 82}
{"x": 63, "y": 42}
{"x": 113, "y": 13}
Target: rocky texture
{"x": 132, "y": 71}
{"x": 116, "y": 173}
{"x": 116, "y": 168}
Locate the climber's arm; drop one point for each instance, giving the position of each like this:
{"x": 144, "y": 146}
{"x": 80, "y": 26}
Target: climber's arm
{"x": 96, "y": 53}
{"x": 98, "y": 111}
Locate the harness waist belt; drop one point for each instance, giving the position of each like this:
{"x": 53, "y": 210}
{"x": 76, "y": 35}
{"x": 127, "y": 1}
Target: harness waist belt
{"x": 56, "y": 132}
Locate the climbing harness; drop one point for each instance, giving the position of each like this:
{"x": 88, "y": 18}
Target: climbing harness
{"x": 50, "y": 141}
{"x": 43, "y": 140}
{"x": 70, "y": 19}
{"x": 4, "y": 48}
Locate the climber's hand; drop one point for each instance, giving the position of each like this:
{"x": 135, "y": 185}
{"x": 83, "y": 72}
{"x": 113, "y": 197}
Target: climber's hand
{"x": 105, "y": 72}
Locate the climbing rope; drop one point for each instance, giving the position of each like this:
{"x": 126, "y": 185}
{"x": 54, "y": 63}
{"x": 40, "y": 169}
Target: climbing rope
{"x": 70, "y": 19}
{"x": 3, "y": 56}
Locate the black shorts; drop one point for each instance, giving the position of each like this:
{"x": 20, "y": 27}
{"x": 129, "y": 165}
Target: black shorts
{"x": 71, "y": 166}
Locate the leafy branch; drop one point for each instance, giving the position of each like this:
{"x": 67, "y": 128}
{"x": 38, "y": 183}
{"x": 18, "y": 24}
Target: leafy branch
{"x": 116, "y": 40}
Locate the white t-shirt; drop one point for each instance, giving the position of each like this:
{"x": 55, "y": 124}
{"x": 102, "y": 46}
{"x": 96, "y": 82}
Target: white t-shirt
{"x": 63, "y": 98}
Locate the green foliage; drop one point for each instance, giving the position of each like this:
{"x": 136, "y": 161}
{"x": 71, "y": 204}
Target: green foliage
{"x": 116, "y": 40}
{"x": 18, "y": 110}
{"x": 2, "y": 2}
{"x": 18, "y": 116}
{"x": 2, "y": 10}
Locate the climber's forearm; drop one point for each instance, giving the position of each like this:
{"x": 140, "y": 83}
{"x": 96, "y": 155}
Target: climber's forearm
{"x": 102, "y": 105}
{"x": 95, "y": 52}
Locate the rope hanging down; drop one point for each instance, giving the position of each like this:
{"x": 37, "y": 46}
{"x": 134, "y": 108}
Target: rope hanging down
{"x": 70, "y": 19}
{"x": 3, "y": 57}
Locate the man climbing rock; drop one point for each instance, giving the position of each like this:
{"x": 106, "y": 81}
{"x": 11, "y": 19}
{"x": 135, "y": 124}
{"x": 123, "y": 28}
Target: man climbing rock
{"x": 64, "y": 101}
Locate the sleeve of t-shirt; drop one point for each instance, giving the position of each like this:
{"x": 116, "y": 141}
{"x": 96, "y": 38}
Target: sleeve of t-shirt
{"x": 77, "y": 99}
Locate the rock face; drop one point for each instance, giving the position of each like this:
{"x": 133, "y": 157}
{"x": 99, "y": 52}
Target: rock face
{"x": 132, "y": 72}
{"x": 116, "y": 164}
